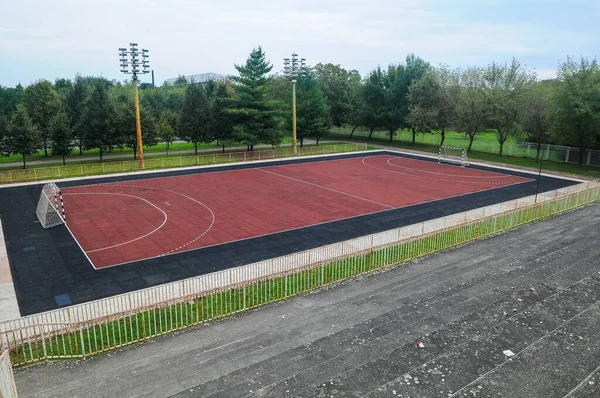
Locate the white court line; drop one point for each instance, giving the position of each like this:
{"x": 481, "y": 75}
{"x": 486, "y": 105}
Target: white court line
{"x": 131, "y": 196}
{"x": 178, "y": 249}
{"x": 447, "y": 175}
{"x": 327, "y": 188}
{"x": 436, "y": 179}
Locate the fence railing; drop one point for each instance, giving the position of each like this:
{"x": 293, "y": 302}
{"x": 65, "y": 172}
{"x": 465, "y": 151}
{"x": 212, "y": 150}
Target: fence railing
{"x": 86, "y": 169}
{"x": 91, "y": 328}
{"x": 8, "y": 388}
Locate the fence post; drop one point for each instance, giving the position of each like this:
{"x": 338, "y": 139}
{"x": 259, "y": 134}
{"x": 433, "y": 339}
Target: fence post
{"x": 244, "y": 296}
{"x": 34, "y": 174}
{"x": 81, "y": 338}
{"x": 44, "y": 344}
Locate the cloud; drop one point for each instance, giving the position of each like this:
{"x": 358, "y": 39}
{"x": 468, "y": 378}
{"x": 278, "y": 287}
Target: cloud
{"x": 194, "y": 36}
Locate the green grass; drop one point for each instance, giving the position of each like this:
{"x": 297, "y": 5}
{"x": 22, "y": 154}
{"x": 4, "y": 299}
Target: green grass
{"x": 45, "y": 171}
{"x": 176, "y": 146}
{"x": 56, "y": 161}
{"x": 92, "y": 339}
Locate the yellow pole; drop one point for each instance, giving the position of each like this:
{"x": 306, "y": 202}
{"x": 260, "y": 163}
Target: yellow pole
{"x": 138, "y": 124}
{"x": 294, "y": 145}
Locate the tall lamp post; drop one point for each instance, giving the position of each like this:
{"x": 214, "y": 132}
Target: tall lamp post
{"x": 131, "y": 61}
{"x": 292, "y": 69}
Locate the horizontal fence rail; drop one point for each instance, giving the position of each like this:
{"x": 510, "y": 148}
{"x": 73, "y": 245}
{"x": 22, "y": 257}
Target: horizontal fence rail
{"x": 78, "y": 170}
{"x": 91, "y": 328}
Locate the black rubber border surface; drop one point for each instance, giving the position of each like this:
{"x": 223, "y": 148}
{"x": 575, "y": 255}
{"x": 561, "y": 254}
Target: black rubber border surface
{"x": 49, "y": 263}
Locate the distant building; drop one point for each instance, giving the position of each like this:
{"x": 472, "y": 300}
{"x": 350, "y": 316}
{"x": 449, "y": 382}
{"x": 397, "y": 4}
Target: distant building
{"x": 199, "y": 78}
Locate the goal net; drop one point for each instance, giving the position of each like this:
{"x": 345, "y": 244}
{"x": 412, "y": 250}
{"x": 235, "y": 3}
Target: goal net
{"x": 50, "y": 209}
{"x": 454, "y": 155}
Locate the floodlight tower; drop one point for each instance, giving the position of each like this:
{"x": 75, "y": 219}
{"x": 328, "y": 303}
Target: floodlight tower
{"x": 135, "y": 59}
{"x": 292, "y": 69}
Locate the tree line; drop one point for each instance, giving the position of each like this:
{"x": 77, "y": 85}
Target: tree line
{"x": 253, "y": 107}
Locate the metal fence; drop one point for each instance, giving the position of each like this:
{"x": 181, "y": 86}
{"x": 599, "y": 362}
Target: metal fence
{"x": 8, "y": 388}
{"x": 91, "y": 328}
{"x": 562, "y": 154}
{"x": 85, "y": 169}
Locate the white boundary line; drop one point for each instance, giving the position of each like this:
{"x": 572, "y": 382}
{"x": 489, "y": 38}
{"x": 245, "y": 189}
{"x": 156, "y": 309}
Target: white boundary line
{"x": 131, "y": 196}
{"x": 447, "y": 175}
{"x": 439, "y": 179}
{"x": 329, "y": 189}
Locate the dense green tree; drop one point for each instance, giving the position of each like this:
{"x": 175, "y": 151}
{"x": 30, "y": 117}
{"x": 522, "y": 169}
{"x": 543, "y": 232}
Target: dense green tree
{"x": 505, "y": 86}
{"x": 194, "y": 123}
{"x": 23, "y": 134}
{"x": 414, "y": 68}
{"x": 166, "y": 133}
{"x": 471, "y": 112}
{"x": 222, "y": 124}
{"x": 536, "y": 114}
{"x": 372, "y": 113}
{"x": 432, "y": 101}
{"x": 74, "y": 101}
{"x": 97, "y": 120}
{"x": 356, "y": 98}
{"x": 61, "y": 135}
{"x": 336, "y": 84}
{"x": 256, "y": 118}
{"x": 125, "y": 127}
{"x": 576, "y": 107}
{"x": 42, "y": 103}
{"x": 5, "y": 147}
{"x": 312, "y": 110}
{"x": 9, "y": 99}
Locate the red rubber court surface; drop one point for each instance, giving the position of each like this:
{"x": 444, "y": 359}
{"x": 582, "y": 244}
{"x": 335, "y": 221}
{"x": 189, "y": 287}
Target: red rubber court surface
{"x": 123, "y": 222}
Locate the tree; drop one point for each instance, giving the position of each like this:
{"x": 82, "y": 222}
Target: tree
{"x": 166, "y": 133}
{"x": 536, "y": 114}
{"x": 194, "y": 124}
{"x": 505, "y": 86}
{"x": 125, "y": 127}
{"x": 256, "y": 118}
{"x": 74, "y": 101}
{"x": 470, "y": 114}
{"x": 9, "y": 99}
{"x": 356, "y": 98}
{"x": 61, "y": 135}
{"x": 312, "y": 110}
{"x": 414, "y": 69}
{"x": 5, "y": 147}
{"x": 42, "y": 103}
{"x": 97, "y": 119}
{"x": 222, "y": 124}
{"x": 24, "y": 138}
{"x": 374, "y": 100}
{"x": 335, "y": 82}
{"x": 577, "y": 104}
{"x": 432, "y": 101}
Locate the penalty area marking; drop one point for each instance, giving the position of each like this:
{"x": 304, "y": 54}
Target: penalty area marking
{"x": 131, "y": 196}
{"x": 389, "y": 161}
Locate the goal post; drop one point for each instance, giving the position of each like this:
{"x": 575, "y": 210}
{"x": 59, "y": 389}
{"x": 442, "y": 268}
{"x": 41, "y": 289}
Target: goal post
{"x": 451, "y": 154}
{"x": 50, "y": 209}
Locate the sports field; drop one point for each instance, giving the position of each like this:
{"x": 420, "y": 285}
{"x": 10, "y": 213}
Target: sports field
{"x": 122, "y": 222}
{"x": 129, "y": 232}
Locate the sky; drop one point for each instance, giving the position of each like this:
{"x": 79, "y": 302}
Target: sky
{"x": 60, "y": 38}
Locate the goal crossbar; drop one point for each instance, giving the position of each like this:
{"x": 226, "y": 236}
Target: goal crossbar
{"x": 50, "y": 209}
{"x": 451, "y": 154}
